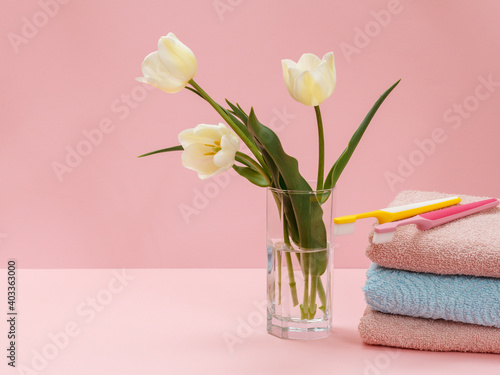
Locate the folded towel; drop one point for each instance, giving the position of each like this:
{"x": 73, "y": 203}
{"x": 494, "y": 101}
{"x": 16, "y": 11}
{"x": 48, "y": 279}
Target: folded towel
{"x": 466, "y": 299}
{"x": 377, "y": 328}
{"x": 467, "y": 246}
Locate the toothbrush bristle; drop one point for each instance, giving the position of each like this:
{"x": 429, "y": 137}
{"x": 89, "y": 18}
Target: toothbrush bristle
{"x": 380, "y": 238}
{"x": 343, "y": 229}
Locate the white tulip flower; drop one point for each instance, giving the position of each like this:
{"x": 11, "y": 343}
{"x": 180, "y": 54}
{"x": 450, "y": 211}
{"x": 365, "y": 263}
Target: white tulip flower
{"x": 209, "y": 149}
{"x": 171, "y": 67}
{"x": 311, "y": 80}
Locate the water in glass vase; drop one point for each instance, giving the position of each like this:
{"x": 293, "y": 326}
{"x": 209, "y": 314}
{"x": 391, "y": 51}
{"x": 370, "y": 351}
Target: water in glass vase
{"x": 299, "y": 291}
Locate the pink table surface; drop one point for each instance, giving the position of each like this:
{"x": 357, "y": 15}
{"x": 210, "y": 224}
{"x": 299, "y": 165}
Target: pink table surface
{"x": 193, "y": 321}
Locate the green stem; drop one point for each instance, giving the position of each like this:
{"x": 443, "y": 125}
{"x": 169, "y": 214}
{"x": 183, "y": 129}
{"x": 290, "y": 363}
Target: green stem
{"x": 289, "y": 265}
{"x": 305, "y": 300}
{"x": 278, "y": 255}
{"x": 321, "y": 141}
{"x": 230, "y": 122}
{"x": 291, "y": 278}
{"x": 322, "y": 295}
{"x": 248, "y": 161}
{"x": 312, "y": 296}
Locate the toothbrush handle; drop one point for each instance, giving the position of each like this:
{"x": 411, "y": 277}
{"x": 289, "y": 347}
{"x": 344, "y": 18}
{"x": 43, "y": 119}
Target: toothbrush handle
{"x": 433, "y": 219}
{"x": 391, "y": 226}
{"x": 417, "y": 209}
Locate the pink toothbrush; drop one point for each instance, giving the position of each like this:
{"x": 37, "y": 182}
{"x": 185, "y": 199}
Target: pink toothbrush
{"x": 385, "y": 232}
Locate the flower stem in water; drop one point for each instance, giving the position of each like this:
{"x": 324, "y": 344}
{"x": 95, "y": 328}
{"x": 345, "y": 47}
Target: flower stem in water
{"x": 278, "y": 256}
{"x": 289, "y": 265}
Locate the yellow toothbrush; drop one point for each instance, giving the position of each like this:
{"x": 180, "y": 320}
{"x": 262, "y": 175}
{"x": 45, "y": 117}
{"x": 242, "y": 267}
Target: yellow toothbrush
{"x": 345, "y": 224}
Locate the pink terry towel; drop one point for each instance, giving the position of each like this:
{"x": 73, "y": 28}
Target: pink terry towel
{"x": 401, "y": 331}
{"x": 467, "y": 246}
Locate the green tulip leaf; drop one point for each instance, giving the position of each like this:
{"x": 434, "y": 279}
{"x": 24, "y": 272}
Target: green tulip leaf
{"x": 303, "y": 209}
{"x": 340, "y": 164}
{"x": 251, "y": 175}
{"x": 196, "y": 92}
{"x": 237, "y": 121}
{"x": 175, "y": 148}
{"x": 237, "y": 111}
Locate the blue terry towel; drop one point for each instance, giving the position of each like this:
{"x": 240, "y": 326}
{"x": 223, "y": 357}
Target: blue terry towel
{"x": 467, "y": 299}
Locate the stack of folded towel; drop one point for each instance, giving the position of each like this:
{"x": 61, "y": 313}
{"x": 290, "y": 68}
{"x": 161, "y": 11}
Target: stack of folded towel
{"x": 437, "y": 289}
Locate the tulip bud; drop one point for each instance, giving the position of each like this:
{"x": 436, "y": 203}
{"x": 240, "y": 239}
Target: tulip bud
{"x": 311, "y": 80}
{"x": 171, "y": 67}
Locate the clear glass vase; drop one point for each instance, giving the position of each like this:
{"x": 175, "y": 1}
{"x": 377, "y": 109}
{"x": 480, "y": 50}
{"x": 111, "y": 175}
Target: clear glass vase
{"x": 300, "y": 263}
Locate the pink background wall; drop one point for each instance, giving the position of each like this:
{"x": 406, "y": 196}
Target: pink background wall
{"x": 68, "y": 69}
